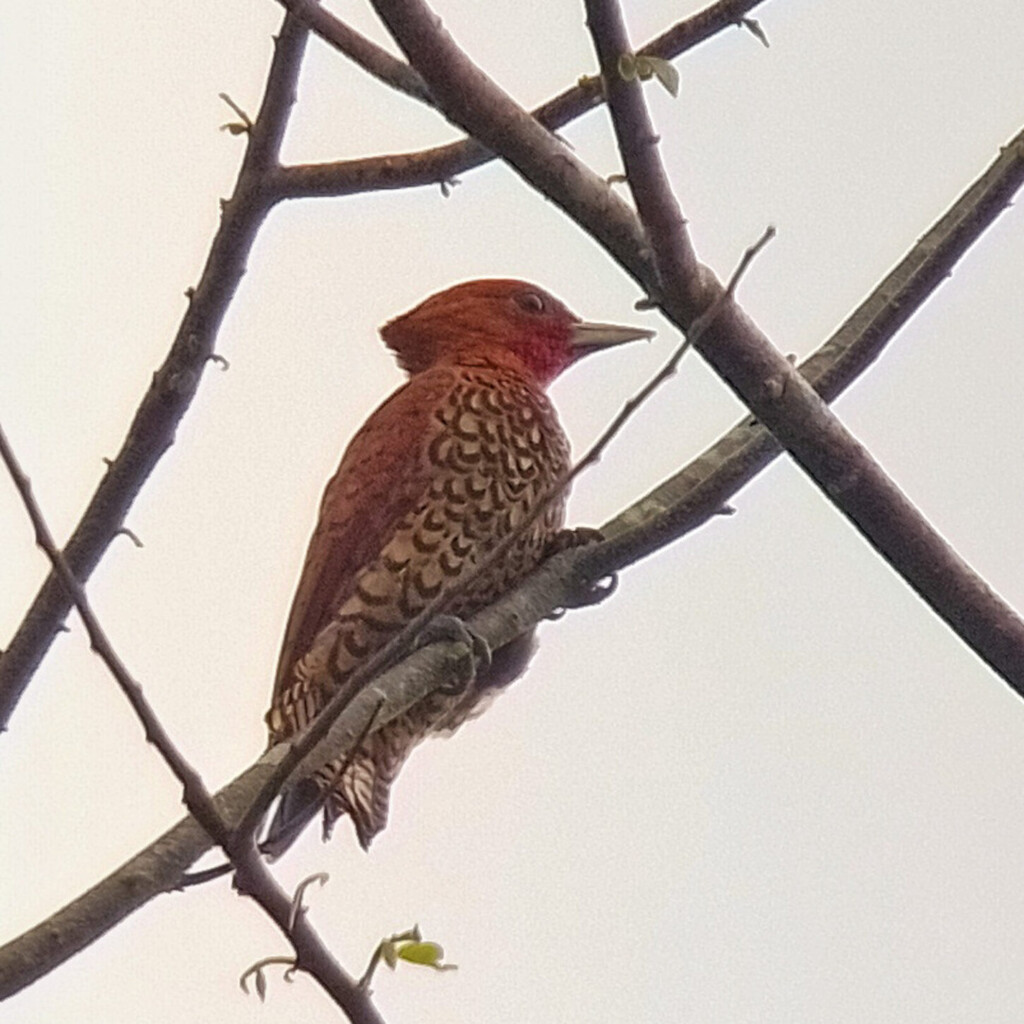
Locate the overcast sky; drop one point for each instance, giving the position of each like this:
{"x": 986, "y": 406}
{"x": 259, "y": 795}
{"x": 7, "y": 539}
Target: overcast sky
{"x": 764, "y": 782}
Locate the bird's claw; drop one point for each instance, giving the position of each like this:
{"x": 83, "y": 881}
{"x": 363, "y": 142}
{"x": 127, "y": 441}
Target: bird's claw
{"x": 584, "y": 593}
{"x": 451, "y": 628}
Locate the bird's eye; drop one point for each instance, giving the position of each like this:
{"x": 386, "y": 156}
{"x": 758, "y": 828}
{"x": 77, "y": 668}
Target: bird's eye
{"x": 531, "y": 302}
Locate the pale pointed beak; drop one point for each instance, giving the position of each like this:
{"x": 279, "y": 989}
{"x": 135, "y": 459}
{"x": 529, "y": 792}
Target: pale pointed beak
{"x": 586, "y": 338}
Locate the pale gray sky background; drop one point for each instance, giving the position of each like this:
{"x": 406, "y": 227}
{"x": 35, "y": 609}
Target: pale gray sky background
{"x": 764, "y": 783}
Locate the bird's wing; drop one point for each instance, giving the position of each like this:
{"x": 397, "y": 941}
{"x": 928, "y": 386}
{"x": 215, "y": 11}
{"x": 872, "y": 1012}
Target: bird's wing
{"x": 382, "y": 476}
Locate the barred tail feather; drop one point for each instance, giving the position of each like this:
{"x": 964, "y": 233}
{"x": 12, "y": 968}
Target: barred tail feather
{"x": 362, "y": 793}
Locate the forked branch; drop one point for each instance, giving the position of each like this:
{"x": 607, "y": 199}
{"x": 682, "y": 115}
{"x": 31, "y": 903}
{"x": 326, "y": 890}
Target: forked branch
{"x": 770, "y": 386}
{"x": 251, "y": 875}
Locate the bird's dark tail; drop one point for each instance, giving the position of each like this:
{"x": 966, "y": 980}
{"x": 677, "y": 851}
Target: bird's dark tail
{"x": 298, "y": 806}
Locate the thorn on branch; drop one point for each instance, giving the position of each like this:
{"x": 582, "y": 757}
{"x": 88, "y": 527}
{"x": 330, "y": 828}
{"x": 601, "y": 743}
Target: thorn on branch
{"x": 123, "y": 531}
{"x": 190, "y": 293}
{"x": 176, "y": 382}
{"x": 193, "y": 878}
{"x": 447, "y": 184}
{"x": 219, "y": 361}
{"x": 616, "y": 179}
{"x": 753, "y": 26}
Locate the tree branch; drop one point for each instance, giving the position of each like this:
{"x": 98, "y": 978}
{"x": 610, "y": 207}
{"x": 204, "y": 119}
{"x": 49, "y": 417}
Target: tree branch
{"x": 363, "y": 52}
{"x": 261, "y": 183}
{"x": 676, "y": 507}
{"x": 443, "y": 163}
{"x": 174, "y": 385}
{"x": 251, "y": 875}
{"x": 698, "y": 490}
{"x": 741, "y": 354}
{"x": 160, "y": 867}
{"x": 637, "y": 531}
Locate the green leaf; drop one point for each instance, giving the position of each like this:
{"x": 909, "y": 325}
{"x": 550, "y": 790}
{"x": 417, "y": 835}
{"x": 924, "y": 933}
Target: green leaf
{"x": 428, "y": 954}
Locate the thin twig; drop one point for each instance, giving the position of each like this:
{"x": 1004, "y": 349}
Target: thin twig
{"x": 302, "y": 744}
{"x": 686, "y": 500}
{"x": 784, "y": 401}
{"x": 251, "y": 875}
{"x": 675, "y": 262}
{"x": 444, "y": 163}
{"x": 262, "y": 183}
{"x": 361, "y": 51}
{"x": 175, "y": 384}
{"x": 697, "y": 329}
{"x": 670, "y": 511}
{"x": 734, "y": 346}
{"x": 196, "y": 796}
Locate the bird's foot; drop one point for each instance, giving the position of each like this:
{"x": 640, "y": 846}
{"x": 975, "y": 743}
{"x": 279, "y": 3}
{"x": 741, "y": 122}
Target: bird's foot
{"x": 585, "y": 593}
{"x": 452, "y": 629}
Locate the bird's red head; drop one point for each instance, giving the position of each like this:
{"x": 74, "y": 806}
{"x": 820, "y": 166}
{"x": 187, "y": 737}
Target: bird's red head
{"x": 501, "y": 323}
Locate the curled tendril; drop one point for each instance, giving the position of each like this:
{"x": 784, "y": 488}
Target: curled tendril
{"x": 133, "y": 537}
{"x": 259, "y": 979}
{"x": 297, "y": 908}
